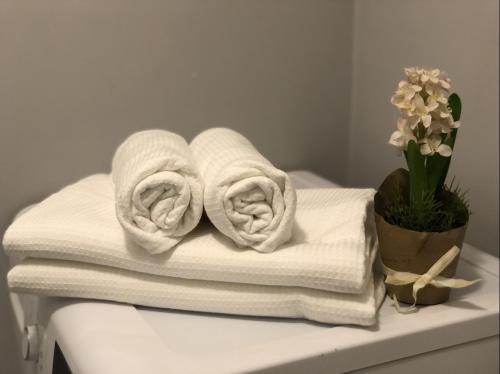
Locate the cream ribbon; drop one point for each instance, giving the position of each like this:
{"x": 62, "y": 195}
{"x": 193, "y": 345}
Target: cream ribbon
{"x": 400, "y": 278}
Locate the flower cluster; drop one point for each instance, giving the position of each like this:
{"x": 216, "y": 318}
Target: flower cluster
{"x": 425, "y": 118}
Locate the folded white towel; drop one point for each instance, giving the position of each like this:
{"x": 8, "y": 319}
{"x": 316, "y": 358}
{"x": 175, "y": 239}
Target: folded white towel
{"x": 159, "y": 195}
{"x": 72, "y": 279}
{"x": 333, "y": 246}
{"x": 245, "y": 197}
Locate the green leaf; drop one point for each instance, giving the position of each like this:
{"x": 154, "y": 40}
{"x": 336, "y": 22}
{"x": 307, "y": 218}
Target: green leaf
{"x": 418, "y": 176}
{"x": 455, "y": 105}
{"x": 437, "y": 165}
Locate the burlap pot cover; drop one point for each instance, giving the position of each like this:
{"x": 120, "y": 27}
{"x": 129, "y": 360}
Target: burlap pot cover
{"x": 413, "y": 251}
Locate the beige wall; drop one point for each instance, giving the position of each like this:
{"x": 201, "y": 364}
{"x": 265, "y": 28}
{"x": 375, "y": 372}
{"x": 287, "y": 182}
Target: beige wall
{"x": 459, "y": 36}
{"x": 78, "y": 76}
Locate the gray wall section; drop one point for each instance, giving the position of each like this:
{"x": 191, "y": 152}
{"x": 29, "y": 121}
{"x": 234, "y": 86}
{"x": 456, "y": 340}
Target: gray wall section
{"x": 78, "y": 76}
{"x": 459, "y": 36}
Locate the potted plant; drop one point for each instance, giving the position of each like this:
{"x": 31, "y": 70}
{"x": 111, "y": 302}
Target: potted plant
{"x": 420, "y": 219}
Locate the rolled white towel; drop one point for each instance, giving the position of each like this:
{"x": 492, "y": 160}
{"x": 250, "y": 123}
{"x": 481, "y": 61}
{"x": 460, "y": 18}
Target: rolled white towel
{"x": 158, "y": 191}
{"x": 245, "y": 196}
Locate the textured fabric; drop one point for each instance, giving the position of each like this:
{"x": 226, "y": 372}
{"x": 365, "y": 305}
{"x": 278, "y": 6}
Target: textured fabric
{"x": 72, "y": 279}
{"x": 332, "y": 248}
{"x": 245, "y": 197}
{"x": 159, "y": 195}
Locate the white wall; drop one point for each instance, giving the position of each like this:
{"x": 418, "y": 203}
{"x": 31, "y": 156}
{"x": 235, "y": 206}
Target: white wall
{"x": 459, "y": 36}
{"x": 78, "y": 76}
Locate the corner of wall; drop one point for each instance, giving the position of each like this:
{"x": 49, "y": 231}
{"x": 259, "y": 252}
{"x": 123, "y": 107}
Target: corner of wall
{"x": 352, "y": 91}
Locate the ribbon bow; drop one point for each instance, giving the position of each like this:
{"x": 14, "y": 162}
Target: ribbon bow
{"x": 400, "y": 278}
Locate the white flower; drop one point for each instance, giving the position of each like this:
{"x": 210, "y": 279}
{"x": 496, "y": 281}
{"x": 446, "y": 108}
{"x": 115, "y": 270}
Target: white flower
{"x": 439, "y": 127}
{"x": 442, "y": 124}
{"x": 402, "y": 136}
{"x": 422, "y": 111}
{"x": 413, "y": 121}
{"x": 422, "y": 100}
{"x": 430, "y": 75}
{"x": 436, "y": 77}
{"x": 421, "y": 76}
{"x": 433, "y": 144}
{"x": 444, "y": 81}
{"x": 413, "y": 74}
{"x": 437, "y": 93}
{"x": 404, "y": 95}
{"x": 442, "y": 111}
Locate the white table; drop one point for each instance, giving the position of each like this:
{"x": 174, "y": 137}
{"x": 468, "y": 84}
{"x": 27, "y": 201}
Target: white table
{"x": 97, "y": 337}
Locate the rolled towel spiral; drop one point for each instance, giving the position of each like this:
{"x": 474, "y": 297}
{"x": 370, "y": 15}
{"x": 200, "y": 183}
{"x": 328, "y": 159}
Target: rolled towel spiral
{"x": 158, "y": 191}
{"x": 245, "y": 196}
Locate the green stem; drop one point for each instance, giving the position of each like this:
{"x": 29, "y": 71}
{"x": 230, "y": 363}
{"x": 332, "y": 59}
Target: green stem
{"x": 418, "y": 175}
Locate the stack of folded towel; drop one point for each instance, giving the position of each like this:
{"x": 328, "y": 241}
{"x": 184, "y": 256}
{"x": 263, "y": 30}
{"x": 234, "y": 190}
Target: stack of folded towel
{"x": 135, "y": 236}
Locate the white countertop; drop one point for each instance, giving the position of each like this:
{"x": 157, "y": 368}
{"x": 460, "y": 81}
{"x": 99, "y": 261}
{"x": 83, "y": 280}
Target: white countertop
{"x": 103, "y": 337}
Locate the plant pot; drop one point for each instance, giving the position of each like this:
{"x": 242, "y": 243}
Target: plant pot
{"x": 413, "y": 251}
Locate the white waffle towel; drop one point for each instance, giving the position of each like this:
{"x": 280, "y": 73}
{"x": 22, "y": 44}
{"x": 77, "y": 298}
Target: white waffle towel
{"x": 245, "y": 197}
{"x": 332, "y": 248}
{"x": 73, "y": 279}
{"x": 159, "y": 195}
